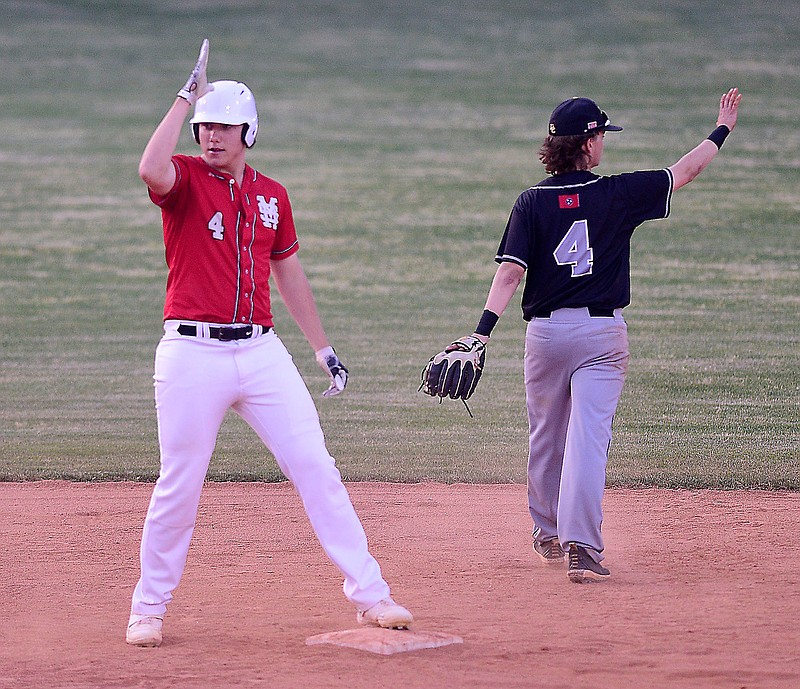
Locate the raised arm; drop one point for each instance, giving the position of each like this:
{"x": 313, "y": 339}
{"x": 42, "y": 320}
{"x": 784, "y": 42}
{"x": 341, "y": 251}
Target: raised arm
{"x": 696, "y": 160}
{"x": 155, "y": 166}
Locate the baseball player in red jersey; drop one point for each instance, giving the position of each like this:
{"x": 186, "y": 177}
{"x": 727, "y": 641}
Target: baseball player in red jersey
{"x": 227, "y": 229}
{"x": 571, "y": 233}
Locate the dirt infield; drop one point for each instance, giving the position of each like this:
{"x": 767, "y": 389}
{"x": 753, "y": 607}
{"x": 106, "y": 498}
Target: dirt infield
{"x": 704, "y": 591}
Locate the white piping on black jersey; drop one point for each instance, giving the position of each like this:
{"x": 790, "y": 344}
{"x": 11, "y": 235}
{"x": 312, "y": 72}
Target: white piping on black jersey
{"x": 506, "y": 258}
{"x": 669, "y": 192}
{"x": 564, "y": 186}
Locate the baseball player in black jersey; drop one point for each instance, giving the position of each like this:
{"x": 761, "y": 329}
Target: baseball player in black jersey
{"x": 571, "y": 234}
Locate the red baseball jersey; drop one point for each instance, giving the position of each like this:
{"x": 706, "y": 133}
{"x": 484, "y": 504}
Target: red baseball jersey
{"x": 219, "y": 240}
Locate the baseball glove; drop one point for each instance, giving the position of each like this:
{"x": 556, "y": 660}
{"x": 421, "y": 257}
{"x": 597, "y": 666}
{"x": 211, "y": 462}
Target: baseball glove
{"x": 455, "y": 372}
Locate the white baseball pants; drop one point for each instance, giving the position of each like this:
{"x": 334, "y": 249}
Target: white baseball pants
{"x": 196, "y": 381}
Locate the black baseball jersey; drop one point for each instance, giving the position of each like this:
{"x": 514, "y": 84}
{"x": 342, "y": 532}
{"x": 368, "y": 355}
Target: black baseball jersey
{"x": 572, "y": 233}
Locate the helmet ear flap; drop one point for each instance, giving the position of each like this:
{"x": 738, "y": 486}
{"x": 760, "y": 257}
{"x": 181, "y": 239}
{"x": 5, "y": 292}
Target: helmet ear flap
{"x": 249, "y": 133}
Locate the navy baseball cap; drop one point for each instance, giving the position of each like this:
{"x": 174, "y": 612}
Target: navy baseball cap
{"x": 579, "y": 116}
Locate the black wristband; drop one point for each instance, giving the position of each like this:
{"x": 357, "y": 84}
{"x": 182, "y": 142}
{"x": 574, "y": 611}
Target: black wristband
{"x": 719, "y": 135}
{"x": 486, "y": 323}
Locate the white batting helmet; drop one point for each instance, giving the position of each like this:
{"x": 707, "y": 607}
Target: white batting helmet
{"x": 231, "y": 102}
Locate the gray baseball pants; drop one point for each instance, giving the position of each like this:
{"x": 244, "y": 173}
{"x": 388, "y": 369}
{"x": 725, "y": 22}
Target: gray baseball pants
{"x": 575, "y": 367}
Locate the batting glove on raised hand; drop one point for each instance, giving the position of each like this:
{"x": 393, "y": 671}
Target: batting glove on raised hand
{"x": 331, "y": 364}
{"x": 197, "y": 85}
{"x": 455, "y": 372}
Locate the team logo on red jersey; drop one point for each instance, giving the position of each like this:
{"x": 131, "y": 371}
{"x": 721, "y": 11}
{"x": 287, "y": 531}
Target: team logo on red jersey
{"x": 569, "y": 201}
{"x": 268, "y": 210}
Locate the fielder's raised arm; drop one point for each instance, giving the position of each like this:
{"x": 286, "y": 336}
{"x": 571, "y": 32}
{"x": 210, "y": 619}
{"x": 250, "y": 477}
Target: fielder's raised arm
{"x": 696, "y": 160}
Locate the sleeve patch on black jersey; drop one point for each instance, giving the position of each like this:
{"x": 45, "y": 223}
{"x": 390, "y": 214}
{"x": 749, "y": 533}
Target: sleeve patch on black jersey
{"x": 569, "y": 200}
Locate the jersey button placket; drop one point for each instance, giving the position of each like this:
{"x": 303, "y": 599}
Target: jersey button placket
{"x": 245, "y": 305}
{"x": 246, "y": 300}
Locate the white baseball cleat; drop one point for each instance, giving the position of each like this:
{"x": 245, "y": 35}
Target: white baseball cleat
{"x": 386, "y": 614}
{"x": 144, "y": 630}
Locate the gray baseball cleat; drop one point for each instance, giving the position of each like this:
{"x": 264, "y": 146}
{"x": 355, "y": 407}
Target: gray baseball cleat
{"x": 582, "y": 567}
{"x": 550, "y": 551}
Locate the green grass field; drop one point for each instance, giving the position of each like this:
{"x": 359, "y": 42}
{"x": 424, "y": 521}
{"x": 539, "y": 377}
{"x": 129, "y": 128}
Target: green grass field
{"x": 404, "y": 132}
